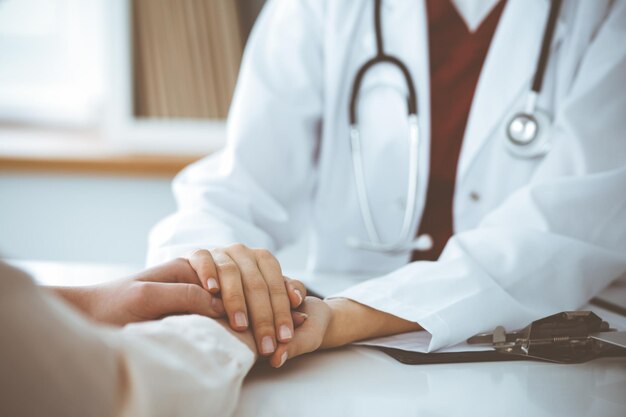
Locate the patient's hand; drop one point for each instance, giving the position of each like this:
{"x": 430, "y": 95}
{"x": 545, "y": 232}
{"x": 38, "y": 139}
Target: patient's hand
{"x": 254, "y": 291}
{"x": 310, "y": 336}
{"x": 170, "y": 288}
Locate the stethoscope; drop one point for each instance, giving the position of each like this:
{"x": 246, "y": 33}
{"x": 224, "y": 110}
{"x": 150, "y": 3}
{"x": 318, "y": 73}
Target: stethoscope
{"x": 525, "y": 133}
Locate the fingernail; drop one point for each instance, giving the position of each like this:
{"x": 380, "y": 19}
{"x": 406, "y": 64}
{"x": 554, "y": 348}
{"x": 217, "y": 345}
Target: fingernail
{"x": 283, "y": 359}
{"x": 284, "y": 332}
{"x": 267, "y": 345}
{"x": 303, "y": 315}
{"x": 299, "y": 294}
{"x": 211, "y": 283}
{"x": 240, "y": 319}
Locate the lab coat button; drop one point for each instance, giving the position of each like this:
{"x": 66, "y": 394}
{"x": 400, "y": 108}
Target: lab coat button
{"x": 474, "y": 196}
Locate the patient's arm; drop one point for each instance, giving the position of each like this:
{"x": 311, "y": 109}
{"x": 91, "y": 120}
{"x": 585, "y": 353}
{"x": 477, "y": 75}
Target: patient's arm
{"x": 54, "y": 362}
{"x": 167, "y": 289}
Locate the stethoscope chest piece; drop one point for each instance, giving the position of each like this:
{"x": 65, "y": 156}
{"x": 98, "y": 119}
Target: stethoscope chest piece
{"x": 527, "y": 135}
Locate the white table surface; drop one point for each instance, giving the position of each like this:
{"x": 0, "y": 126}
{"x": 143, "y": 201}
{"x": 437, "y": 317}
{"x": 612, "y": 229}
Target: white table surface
{"x": 360, "y": 381}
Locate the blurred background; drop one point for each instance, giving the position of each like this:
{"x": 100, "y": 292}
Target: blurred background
{"x": 101, "y": 103}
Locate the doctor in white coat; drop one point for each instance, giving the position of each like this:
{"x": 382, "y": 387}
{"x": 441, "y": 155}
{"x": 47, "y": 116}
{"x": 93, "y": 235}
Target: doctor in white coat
{"x": 533, "y": 234}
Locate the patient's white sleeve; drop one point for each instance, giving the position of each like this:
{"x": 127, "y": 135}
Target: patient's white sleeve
{"x": 54, "y": 362}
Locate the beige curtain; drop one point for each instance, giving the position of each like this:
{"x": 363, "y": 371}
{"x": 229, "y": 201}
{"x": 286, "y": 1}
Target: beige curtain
{"x": 186, "y": 56}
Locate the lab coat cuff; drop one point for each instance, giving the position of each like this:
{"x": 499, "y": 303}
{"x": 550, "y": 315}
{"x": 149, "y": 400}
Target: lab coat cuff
{"x": 448, "y": 323}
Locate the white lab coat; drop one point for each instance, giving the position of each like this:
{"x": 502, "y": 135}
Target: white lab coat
{"x": 543, "y": 235}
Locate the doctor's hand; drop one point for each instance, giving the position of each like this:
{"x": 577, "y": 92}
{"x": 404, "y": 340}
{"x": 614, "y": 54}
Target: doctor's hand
{"x": 247, "y": 337}
{"x": 253, "y": 290}
{"x": 167, "y": 289}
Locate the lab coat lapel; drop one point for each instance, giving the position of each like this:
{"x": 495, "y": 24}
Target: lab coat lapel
{"x": 507, "y": 72}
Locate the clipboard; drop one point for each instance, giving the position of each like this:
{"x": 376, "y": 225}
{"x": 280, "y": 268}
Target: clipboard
{"x": 566, "y": 338}
{"x": 418, "y": 358}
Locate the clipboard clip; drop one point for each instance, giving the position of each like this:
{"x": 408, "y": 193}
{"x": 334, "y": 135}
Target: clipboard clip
{"x": 567, "y": 337}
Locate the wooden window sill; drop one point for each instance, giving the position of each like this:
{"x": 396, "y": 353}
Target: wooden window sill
{"x": 29, "y": 150}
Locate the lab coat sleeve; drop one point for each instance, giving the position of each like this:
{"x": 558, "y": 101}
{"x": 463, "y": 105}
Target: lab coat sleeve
{"x": 56, "y": 363}
{"x": 554, "y": 243}
{"x": 265, "y": 174}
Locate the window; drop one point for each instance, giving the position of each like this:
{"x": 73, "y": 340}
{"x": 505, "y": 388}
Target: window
{"x": 91, "y": 64}
{"x": 51, "y": 61}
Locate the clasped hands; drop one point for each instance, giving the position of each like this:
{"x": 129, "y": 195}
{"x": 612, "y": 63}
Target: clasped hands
{"x": 243, "y": 287}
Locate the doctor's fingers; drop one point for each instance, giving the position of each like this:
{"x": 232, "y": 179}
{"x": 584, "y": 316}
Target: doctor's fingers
{"x": 203, "y": 264}
{"x": 279, "y": 297}
{"x": 231, "y": 289}
{"x": 201, "y": 260}
{"x": 153, "y": 300}
{"x": 265, "y": 296}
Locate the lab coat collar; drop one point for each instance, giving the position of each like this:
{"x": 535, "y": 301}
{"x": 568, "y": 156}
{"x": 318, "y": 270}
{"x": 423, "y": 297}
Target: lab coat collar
{"x": 474, "y": 12}
{"x": 507, "y": 72}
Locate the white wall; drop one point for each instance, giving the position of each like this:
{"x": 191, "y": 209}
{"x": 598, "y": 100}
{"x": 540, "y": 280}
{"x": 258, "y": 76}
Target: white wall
{"x": 88, "y": 218}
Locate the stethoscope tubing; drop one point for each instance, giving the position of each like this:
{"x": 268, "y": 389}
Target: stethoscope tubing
{"x": 544, "y": 54}
{"x": 526, "y": 130}
{"x": 356, "y": 149}
{"x": 406, "y": 242}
